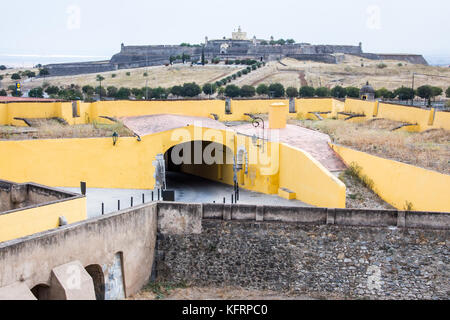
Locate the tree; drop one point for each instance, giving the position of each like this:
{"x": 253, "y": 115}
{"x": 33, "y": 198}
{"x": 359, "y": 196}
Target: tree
{"x": 290, "y": 41}
{"x": 232, "y": 91}
{"x": 172, "y": 59}
{"x": 384, "y": 93}
{"x": 404, "y": 93}
{"x": 37, "y": 92}
{"x": 292, "y": 92}
{"x": 123, "y": 93}
{"x": 262, "y": 89}
{"x": 447, "y": 92}
{"x": 112, "y": 91}
{"x": 436, "y": 91}
{"x": 276, "y": 90}
{"x": 203, "y": 56}
{"x": 44, "y": 72}
{"x": 3, "y": 93}
{"x": 264, "y": 43}
{"x": 323, "y": 92}
{"x": 29, "y": 74}
{"x": 88, "y": 90}
{"x": 425, "y": 92}
{"x": 15, "y": 76}
{"x": 247, "y": 91}
{"x": 281, "y": 42}
{"x": 52, "y": 90}
{"x": 137, "y": 93}
{"x": 100, "y": 78}
{"x": 2, "y": 67}
{"x": 209, "y": 88}
{"x": 191, "y": 89}
{"x": 1, "y": 77}
{"x": 70, "y": 94}
{"x": 100, "y": 91}
{"x": 338, "y": 92}
{"x": 352, "y": 92}
{"x": 177, "y": 91}
{"x": 307, "y": 92}
{"x": 159, "y": 93}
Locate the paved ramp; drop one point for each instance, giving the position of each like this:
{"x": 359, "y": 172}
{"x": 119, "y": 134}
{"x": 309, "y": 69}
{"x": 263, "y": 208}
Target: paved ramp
{"x": 313, "y": 142}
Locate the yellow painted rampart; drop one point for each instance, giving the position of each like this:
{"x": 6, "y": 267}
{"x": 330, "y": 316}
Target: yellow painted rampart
{"x": 21, "y": 223}
{"x": 398, "y": 183}
{"x": 405, "y": 114}
{"x": 128, "y": 164}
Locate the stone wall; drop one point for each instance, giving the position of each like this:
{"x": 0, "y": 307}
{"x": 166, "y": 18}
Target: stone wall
{"x": 310, "y": 251}
{"x": 121, "y": 245}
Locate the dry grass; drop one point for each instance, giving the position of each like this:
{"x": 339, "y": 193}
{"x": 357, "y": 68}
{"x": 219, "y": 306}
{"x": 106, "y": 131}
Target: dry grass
{"x": 351, "y": 73}
{"x": 157, "y": 76}
{"x": 430, "y": 149}
{"x": 52, "y": 129}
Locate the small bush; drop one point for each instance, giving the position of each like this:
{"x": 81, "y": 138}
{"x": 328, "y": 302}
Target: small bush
{"x": 381, "y": 66}
{"x": 355, "y": 171}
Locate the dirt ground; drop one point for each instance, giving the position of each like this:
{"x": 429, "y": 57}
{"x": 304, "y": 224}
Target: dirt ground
{"x": 210, "y": 293}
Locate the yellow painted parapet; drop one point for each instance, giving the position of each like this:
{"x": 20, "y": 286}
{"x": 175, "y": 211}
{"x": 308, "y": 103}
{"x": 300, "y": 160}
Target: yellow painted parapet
{"x": 21, "y": 223}
{"x": 399, "y": 183}
{"x": 310, "y": 180}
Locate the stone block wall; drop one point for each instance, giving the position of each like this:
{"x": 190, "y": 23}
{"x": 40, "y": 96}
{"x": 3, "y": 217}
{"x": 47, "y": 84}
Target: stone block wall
{"x": 358, "y": 254}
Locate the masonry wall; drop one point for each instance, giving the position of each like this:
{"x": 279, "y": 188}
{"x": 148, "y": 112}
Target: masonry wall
{"x": 313, "y": 251}
{"x": 131, "y": 233}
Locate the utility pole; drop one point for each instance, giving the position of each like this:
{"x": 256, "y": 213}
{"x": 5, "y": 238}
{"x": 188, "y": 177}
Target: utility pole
{"x": 412, "y": 101}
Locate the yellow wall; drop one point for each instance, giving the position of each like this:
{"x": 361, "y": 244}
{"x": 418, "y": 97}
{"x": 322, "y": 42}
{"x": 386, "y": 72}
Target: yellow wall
{"x": 368, "y": 108}
{"x": 89, "y": 112}
{"x": 128, "y": 165}
{"x": 312, "y": 183}
{"x": 304, "y": 106}
{"x": 398, "y": 182}
{"x": 442, "y": 120}
{"x": 405, "y": 114}
{"x": 30, "y": 221}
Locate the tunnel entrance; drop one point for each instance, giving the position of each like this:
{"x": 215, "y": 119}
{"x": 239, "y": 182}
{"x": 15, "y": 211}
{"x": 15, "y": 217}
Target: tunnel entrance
{"x": 199, "y": 171}
{"x": 41, "y": 291}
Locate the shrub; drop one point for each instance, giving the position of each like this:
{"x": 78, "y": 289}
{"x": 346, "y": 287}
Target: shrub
{"x": 245, "y": 71}
{"x": 113, "y": 75}
{"x": 3, "y": 93}
{"x": 447, "y": 92}
{"x": 292, "y": 92}
{"x": 307, "y": 92}
{"x": 88, "y": 90}
{"x": 239, "y": 74}
{"x": 15, "y": 76}
{"x": 276, "y": 90}
{"x": 247, "y": 91}
{"x": 137, "y": 93}
{"x": 352, "y": 92}
{"x": 2, "y": 67}
{"x": 254, "y": 67}
{"x": 381, "y": 65}
{"x": 232, "y": 91}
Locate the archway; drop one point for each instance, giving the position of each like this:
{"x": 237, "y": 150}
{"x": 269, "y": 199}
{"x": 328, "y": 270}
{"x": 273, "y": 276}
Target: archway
{"x": 96, "y": 273}
{"x": 41, "y": 291}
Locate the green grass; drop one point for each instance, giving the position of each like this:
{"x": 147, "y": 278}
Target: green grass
{"x": 164, "y": 289}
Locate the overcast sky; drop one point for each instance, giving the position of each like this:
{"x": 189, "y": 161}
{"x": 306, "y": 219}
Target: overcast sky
{"x": 94, "y": 29}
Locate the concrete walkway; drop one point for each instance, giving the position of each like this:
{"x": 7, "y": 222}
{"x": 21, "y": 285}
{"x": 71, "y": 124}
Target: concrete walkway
{"x": 191, "y": 189}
